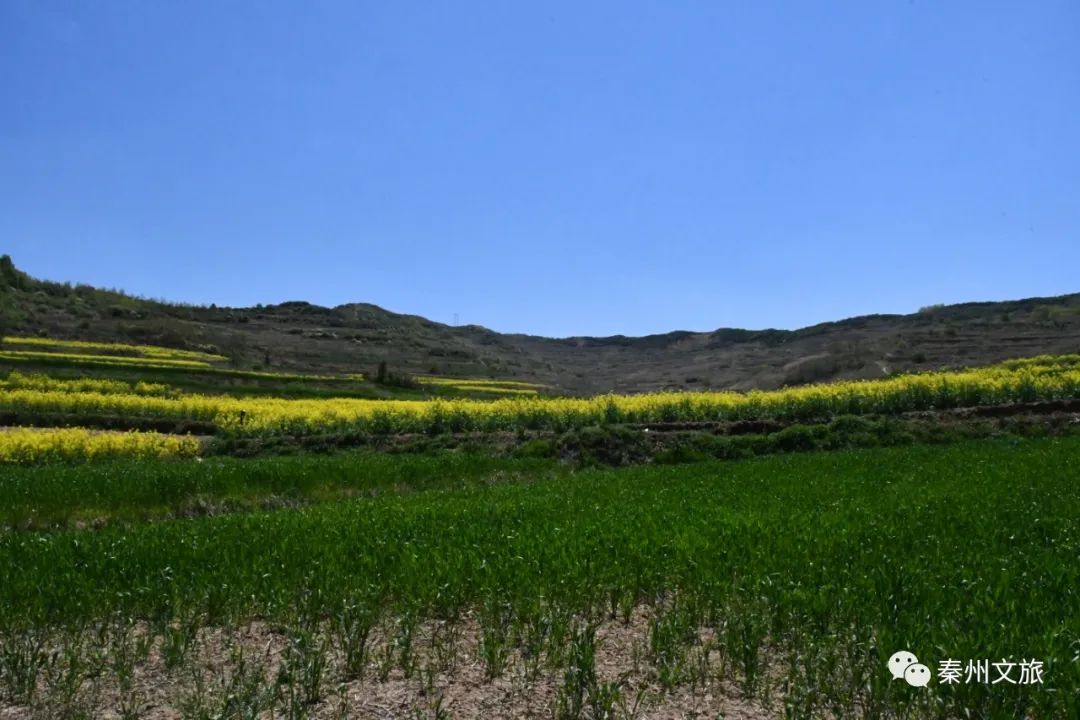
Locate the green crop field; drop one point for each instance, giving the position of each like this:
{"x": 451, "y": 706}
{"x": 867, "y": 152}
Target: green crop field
{"x": 791, "y": 579}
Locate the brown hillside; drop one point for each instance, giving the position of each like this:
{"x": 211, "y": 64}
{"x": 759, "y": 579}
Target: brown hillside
{"x": 356, "y": 337}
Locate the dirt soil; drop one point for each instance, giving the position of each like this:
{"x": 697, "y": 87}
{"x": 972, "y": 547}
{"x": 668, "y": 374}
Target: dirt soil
{"x": 450, "y": 680}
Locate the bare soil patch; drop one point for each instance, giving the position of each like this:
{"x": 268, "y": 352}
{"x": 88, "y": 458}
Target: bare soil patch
{"x": 444, "y": 675}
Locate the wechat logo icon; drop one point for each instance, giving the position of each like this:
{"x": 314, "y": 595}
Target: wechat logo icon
{"x": 905, "y": 665}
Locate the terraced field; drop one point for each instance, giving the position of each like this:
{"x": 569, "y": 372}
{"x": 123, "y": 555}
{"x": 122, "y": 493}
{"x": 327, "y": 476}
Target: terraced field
{"x": 85, "y": 402}
{"x": 753, "y": 555}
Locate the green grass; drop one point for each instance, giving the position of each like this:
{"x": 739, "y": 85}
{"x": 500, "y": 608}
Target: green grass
{"x": 814, "y": 566}
{"x": 235, "y": 477}
{"x": 131, "y": 489}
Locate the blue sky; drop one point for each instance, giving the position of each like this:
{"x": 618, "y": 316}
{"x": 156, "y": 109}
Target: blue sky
{"x": 551, "y": 168}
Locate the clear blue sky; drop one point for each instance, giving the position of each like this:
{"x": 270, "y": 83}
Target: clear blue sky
{"x": 555, "y": 168}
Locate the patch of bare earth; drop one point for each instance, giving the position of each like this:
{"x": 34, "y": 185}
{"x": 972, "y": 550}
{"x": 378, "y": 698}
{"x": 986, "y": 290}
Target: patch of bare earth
{"x": 442, "y": 673}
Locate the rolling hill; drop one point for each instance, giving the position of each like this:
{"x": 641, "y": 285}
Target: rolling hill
{"x": 356, "y": 337}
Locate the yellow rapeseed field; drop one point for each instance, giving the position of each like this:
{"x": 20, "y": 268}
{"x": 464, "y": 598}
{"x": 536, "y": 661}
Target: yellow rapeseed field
{"x": 114, "y": 355}
{"x": 31, "y": 445}
{"x": 481, "y": 385}
{"x": 99, "y": 360}
{"x": 20, "y": 381}
{"x": 1023, "y": 381}
{"x": 476, "y": 382}
{"x": 146, "y": 351}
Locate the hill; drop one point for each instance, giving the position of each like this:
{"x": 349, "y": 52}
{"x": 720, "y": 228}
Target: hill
{"x": 299, "y": 336}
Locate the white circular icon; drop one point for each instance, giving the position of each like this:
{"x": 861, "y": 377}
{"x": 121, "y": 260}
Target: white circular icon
{"x": 900, "y": 661}
{"x": 917, "y": 675}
